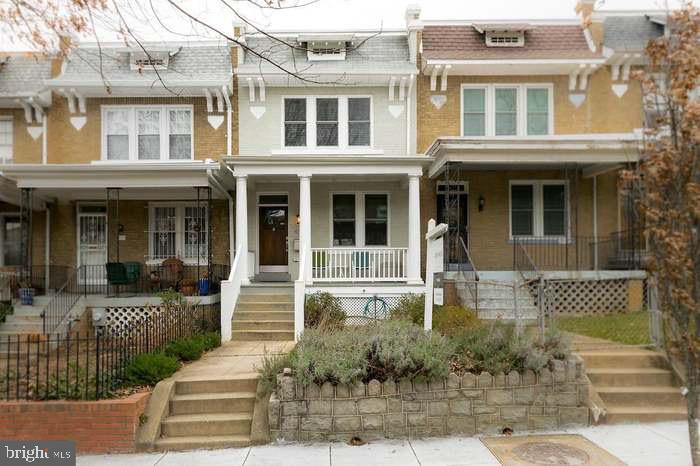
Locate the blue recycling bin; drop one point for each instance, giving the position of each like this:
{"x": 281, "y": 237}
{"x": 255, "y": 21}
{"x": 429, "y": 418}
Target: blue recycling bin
{"x": 203, "y": 287}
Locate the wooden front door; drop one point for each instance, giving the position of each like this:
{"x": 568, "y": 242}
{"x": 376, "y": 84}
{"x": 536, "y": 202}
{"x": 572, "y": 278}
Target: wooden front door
{"x": 273, "y": 238}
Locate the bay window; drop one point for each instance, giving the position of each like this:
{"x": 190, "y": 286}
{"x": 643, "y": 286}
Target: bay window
{"x": 360, "y": 219}
{"x": 147, "y": 132}
{"x": 538, "y": 209}
{"x": 327, "y": 122}
{"x": 507, "y": 109}
{"x": 178, "y": 230}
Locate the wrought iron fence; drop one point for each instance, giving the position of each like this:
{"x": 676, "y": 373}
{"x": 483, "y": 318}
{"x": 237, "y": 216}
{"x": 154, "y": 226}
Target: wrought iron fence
{"x": 91, "y": 365}
{"x": 43, "y": 279}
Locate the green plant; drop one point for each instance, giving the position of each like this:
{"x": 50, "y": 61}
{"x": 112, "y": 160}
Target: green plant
{"x": 5, "y": 310}
{"x": 410, "y": 307}
{"x": 450, "y": 320}
{"x": 150, "y": 368}
{"x": 272, "y": 364}
{"x": 209, "y": 340}
{"x": 323, "y": 311}
{"x": 73, "y": 384}
{"x": 492, "y": 348}
{"x": 186, "y": 349}
{"x": 171, "y": 298}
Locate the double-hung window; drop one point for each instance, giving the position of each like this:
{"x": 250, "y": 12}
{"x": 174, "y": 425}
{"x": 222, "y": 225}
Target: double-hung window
{"x": 178, "y": 230}
{"x": 5, "y": 140}
{"x": 147, "y": 132}
{"x": 538, "y": 209}
{"x": 506, "y": 109}
{"x": 360, "y": 219}
{"x": 326, "y": 122}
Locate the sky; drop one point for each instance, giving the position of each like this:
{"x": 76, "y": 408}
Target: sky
{"x": 157, "y": 20}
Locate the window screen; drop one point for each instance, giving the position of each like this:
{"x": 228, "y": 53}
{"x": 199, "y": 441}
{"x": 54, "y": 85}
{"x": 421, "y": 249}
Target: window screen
{"x": 522, "y": 210}
{"x": 294, "y": 122}
{"x": 506, "y": 112}
{"x": 359, "y": 122}
{"x": 474, "y": 107}
{"x": 537, "y": 112}
{"x": 344, "y": 220}
{"x": 326, "y": 122}
{"x": 376, "y": 219}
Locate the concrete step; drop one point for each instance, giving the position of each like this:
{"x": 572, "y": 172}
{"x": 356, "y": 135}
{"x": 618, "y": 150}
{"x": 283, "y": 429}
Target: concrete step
{"x": 264, "y": 324}
{"x": 267, "y": 298}
{"x": 13, "y": 328}
{"x": 262, "y": 315}
{"x": 641, "y": 396}
{"x": 262, "y": 335}
{"x": 183, "y": 425}
{"x": 201, "y": 403}
{"x": 242, "y": 383}
{"x": 507, "y": 314}
{"x": 641, "y": 359}
{"x": 23, "y": 319}
{"x": 620, "y": 414}
{"x": 504, "y": 303}
{"x": 268, "y": 289}
{"x": 624, "y": 377}
{"x": 265, "y": 306}
{"x": 21, "y": 310}
{"x": 203, "y": 442}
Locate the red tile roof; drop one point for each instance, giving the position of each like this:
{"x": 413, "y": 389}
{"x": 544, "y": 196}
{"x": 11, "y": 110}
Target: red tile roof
{"x": 542, "y": 42}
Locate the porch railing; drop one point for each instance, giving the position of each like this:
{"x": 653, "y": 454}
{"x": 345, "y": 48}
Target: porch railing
{"x": 62, "y": 302}
{"x": 359, "y": 264}
{"x": 471, "y": 274}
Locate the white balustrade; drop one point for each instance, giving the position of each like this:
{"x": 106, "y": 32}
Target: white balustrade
{"x": 359, "y": 264}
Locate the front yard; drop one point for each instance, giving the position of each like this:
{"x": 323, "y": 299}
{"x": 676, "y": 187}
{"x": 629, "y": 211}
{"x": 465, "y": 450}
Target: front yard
{"x": 629, "y": 328}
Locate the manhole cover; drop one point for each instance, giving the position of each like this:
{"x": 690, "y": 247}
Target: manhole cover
{"x": 551, "y": 454}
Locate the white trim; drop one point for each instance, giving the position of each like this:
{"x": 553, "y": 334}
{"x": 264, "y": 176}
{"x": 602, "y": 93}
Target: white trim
{"x": 538, "y": 210}
{"x": 133, "y": 131}
{"x": 270, "y": 268}
{"x": 539, "y": 61}
{"x": 10, "y": 119}
{"x": 521, "y": 108}
{"x": 78, "y": 214}
{"x": 343, "y": 126}
{"x": 360, "y": 219}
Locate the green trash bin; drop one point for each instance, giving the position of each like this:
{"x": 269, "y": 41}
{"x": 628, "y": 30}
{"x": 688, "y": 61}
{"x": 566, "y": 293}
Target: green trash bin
{"x": 133, "y": 271}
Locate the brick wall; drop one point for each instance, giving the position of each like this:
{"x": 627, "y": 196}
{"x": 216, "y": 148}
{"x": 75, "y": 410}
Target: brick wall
{"x": 106, "y": 426}
{"x": 466, "y": 405}
{"x": 24, "y": 148}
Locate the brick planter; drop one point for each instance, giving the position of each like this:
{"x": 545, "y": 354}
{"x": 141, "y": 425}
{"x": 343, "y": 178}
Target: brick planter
{"x": 467, "y": 405}
{"x": 105, "y": 426}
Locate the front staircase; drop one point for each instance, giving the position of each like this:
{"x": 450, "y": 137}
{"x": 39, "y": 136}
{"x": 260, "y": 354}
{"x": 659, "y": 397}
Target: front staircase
{"x": 212, "y": 413}
{"x": 25, "y": 319}
{"x": 265, "y": 311}
{"x": 636, "y": 385}
{"x": 496, "y": 300}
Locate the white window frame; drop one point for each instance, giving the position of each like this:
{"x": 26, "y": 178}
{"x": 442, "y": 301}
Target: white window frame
{"x": 133, "y": 133}
{"x": 343, "y": 124}
{"x": 360, "y": 219}
{"x": 179, "y": 231}
{"x": 9, "y": 119}
{"x": 538, "y": 210}
{"x": 521, "y": 119}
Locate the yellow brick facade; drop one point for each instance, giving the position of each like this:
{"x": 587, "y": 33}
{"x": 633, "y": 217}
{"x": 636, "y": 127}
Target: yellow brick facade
{"x": 25, "y": 149}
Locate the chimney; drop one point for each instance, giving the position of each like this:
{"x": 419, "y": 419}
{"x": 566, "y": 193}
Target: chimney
{"x": 414, "y": 26}
{"x": 584, "y": 8}
{"x": 238, "y": 53}
{"x": 592, "y": 28}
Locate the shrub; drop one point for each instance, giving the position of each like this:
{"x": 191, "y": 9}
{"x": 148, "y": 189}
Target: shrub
{"x": 323, "y": 311}
{"x": 186, "y": 349}
{"x": 273, "y": 364}
{"x": 450, "y": 320}
{"x": 493, "y": 348}
{"x": 150, "y": 368}
{"x": 5, "y": 310}
{"x": 209, "y": 340}
{"x": 390, "y": 349}
{"x": 410, "y": 307}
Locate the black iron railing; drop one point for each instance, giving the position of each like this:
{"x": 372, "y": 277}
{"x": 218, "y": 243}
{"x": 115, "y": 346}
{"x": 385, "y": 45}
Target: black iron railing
{"x": 91, "y": 365}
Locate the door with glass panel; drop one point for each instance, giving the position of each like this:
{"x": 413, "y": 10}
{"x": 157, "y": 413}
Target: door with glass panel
{"x": 454, "y": 211}
{"x": 92, "y": 241}
{"x": 273, "y": 232}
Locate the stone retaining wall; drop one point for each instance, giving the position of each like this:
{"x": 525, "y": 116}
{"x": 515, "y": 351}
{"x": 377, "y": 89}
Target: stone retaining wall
{"x": 467, "y": 405}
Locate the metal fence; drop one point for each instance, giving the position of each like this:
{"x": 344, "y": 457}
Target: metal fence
{"x": 91, "y": 365}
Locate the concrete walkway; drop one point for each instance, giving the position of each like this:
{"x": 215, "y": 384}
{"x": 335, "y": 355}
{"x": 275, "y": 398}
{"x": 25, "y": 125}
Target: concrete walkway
{"x": 636, "y": 445}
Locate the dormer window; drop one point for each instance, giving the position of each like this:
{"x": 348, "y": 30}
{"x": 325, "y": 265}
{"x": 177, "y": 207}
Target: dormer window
{"x": 149, "y": 61}
{"x": 505, "y": 39}
{"x": 503, "y": 35}
{"x": 324, "y": 47}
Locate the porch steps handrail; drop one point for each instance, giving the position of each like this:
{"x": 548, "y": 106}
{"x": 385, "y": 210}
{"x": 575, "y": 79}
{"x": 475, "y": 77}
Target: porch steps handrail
{"x": 230, "y": 290}
{"x": 473, "y": 284}
{"x": 61, "y": 303}
{"x": 353, "y": 264}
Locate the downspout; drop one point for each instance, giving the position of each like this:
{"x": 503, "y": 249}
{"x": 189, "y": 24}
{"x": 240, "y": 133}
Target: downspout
{"x": 220, "y": 188}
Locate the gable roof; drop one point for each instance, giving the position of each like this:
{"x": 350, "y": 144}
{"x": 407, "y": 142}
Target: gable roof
{"x": 631, "y": 33}
{"x": 188, "y": 63}
{"x": 23, "y": 74}
{"x": 373, "y": 54}
{"x": 546, "y": 41}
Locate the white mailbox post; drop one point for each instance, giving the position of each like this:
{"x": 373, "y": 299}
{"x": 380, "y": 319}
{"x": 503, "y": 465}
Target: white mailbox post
{"x": 434, "y": 263}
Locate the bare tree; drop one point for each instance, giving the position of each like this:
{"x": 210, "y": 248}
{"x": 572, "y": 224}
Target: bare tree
{"x": 668, "y": 183}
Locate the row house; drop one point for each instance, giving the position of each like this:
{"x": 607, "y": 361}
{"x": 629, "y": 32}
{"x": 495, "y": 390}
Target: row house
{"x": 317, "y": 158}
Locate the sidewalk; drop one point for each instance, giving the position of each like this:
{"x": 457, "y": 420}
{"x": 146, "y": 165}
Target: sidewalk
{"x": 636, "y": 445}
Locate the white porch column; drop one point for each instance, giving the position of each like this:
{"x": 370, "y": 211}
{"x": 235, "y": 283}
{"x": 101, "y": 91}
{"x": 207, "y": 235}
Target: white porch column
{"x": 305, "y": 224}
{"x": 413, "y": 261}
{"x": 242, "y": 224}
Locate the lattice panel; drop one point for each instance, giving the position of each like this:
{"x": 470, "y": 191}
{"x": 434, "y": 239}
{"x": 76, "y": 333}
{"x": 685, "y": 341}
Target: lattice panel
{"x": 119, "y": 319}
{"x": 586, "y": 296}
{"x": 365, "y": 309}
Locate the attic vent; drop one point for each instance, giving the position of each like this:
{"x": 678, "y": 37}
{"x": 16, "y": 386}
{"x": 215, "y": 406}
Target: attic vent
{"x": 142, "y": 61}
{"x": 318, "y": 51}
{"x": 505, "y": 39}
